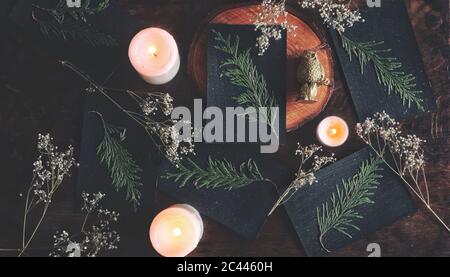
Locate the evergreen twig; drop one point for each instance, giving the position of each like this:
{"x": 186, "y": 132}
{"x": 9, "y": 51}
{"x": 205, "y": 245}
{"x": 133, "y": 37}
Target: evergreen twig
{"x": 242, "y": 72}
{"x": 72, "y": 23}
{"x": 340, "y": 214}
{"x": 123, "y": 169}
{"x": 218, "y": 174}
{"x": 387, "y": 70}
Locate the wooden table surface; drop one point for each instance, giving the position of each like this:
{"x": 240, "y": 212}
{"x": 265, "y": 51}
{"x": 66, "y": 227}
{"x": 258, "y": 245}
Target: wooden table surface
{"x": 30, "y": 103}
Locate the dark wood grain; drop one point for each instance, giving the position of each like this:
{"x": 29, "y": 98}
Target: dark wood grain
{"x": 31, "y": 102}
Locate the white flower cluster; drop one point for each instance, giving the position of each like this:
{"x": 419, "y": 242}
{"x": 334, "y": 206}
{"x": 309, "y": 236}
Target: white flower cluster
{"x": 384, "y": 134}
{"x": 98, "y": 238}
{"x": 155, "y": 102}
{"x": 307, "y": 177}
{"x": 271, "y": 20}
{"x": 169, "y": 141}
{"x": 91, "y": 203}
{"x": 334, "y": 14}
{"x": 303, "y": 179}
{"x": 50, "y": 168}
{"x": 172, "y": 143}
{"x": 310, "y": 163}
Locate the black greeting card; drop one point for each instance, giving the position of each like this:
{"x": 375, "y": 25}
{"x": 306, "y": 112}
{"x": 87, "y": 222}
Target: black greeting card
{"x": 242, "y": 210}
{"x": 389, "y": 24}
{"x": 391, "y": 200}
{"x": 94, "y": 176}
{"x": 267, "y": 71}
{"x": 113, "y": 22}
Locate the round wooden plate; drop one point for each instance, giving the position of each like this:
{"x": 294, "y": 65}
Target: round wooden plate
{"x": 304, "y": 38}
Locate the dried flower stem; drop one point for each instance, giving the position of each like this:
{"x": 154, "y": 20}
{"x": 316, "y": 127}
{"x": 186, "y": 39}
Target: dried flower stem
{"x": 416, "y": 190}
{"x": 49, "y": 171}
{"x": 404, "y": 152}
{"x": 304, "y": 177}
{"x": 100, "y": 236}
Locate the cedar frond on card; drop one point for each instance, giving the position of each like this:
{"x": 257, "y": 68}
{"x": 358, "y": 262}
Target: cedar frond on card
{"x": 387, "y": 69}
{"x": 217, "y": 174}
{"x": 123, "y": 169}
{"x": 241, "y": 71}
{"x": 340, "y": 212}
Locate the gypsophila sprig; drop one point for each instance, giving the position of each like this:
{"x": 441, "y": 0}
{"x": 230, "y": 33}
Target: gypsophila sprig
{"x": 387, "y": 69}
{"x": 217, "y": 174}
{"x": 334, "y": 14}
{"x": 123, "y": 169}
{"x": 92, "y": 240}
{"x": 271, "y": 20}
{"x": 155, "y": 109}
{"x": 340, "y": 212}
{"x": 49, "y": 171}
{"x": 310, "y": 163}
{"x": 402, "y": 153}
{"x": 70, "y": 23}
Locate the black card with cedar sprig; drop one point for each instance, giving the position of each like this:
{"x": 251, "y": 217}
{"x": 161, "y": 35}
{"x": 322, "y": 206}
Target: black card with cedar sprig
{"x": 226, "y": 185}
{"x": 382, "y": 64}
{"x": 239, "y": 77}
{"x": 96, "y": 23}
{"x": 98, "y": 28}
{"x": 352, "y": 198}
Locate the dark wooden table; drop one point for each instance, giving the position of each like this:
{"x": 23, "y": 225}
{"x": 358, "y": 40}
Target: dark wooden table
{"x": 30, "y": 102}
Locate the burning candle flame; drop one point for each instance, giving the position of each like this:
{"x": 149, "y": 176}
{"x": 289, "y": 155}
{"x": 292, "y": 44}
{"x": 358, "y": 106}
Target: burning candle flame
{"x": 176, "y": 231}
{"x": 332, "y": 132}
{"x": 152, "y": 51}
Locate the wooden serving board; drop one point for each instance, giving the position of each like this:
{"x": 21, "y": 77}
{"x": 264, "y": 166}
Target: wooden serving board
{"x": 304, "y": 38}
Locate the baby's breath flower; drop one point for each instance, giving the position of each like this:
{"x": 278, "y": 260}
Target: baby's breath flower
{"x": 271, "y": 20}
{"x": 156, "y": 108}
{"x": 309, "y": 158}
{"x": 94, "y": 240}
{"x": 402, "y": 153}
{"x": 333, "y": 13}
{"x": 49, "y": 170}
{"x": 383, "y": 133}
{"x": 148, "y": 106}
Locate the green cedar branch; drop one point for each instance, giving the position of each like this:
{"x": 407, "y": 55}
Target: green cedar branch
{"x": 340, "y": 212}
{"x": 123, "y": 169}
{"x": 218, "y": 174}
{"x": 387, "y": 69}
{"x": 242, "y": 72}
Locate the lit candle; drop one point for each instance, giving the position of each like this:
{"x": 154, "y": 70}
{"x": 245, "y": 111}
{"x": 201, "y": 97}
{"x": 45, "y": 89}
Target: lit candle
{"x": 176, "y": 231}
{"x": 154, "y": 55}
{"x": 332, "y": 131}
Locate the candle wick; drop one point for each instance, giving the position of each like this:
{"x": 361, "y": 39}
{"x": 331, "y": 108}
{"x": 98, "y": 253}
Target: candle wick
{"x": 152, "y": 51}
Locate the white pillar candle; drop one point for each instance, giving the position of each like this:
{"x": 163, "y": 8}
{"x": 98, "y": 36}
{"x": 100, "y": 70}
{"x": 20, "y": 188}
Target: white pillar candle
{"x": 332, "y": 131}
{"x": 154, "y": 54}
{"x": 176, "y": 231}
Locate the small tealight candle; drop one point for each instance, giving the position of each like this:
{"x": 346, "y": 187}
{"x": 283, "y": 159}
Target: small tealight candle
{"x": 176, "y": 231}
{"x": 332, "y": 131}
{"x": 154, "y": 54}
